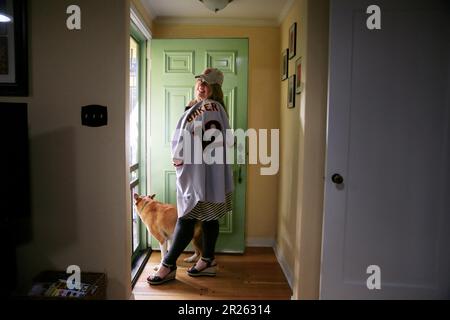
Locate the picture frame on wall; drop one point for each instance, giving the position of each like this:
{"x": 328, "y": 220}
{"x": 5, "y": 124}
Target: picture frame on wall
{"x": 285, "y": 64}
{"x": 298, "y": 76}
{"x": 293, "y": 40}
{"x": 291, "y": 92}
{"x": 13, "y": 48}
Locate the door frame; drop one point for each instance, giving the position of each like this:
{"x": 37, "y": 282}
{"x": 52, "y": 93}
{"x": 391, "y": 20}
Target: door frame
{"x": 341, "y": 66}
{"x": 140, "y": 32}
{"x": 236, "y": 168}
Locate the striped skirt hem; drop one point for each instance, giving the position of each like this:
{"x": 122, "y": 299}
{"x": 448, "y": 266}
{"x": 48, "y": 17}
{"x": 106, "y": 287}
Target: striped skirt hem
{"x": 208, "y": 211}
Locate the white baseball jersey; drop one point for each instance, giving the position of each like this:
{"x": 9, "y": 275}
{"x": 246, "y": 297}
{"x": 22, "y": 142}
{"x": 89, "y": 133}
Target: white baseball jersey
{"x": 200, "y": 179}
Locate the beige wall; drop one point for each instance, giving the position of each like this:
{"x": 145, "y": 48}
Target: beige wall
{"x": 80, "y": 203}
{"x": 303, "y": 150}
{"x": 264, "y": 96}
{"x": 312, "y": 150}
{"x": 292, "y": 133}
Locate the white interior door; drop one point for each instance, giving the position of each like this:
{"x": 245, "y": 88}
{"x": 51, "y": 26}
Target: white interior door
{"x": 388, "y": 138}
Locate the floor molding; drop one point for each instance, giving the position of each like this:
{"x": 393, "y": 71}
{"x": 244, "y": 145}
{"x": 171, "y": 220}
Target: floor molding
{"x": 284, "y": 266}
{"x": 260, "y": 242}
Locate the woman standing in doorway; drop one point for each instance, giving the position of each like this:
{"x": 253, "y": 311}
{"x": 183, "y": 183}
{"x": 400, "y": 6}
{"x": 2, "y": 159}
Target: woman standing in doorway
{"x": 204, "y": 188}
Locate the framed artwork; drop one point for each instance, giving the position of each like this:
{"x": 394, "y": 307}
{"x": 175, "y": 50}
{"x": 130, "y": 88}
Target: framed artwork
{"x": 298, "y": 76}
{"x": 293, "y": 40}
{"x": 13, "y": 48}
{"x": 291, "y": 92}
{"x": 284, "y": 64}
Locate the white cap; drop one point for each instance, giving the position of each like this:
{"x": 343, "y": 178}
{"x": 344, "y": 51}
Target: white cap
{"x": 211, "y": 76}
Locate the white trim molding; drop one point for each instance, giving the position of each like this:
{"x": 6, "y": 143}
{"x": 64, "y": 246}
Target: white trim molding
{"x": 139, "y": 22}
{"x": 148, "y": 8}
{"x": 288, "y": 273}
{"x": 217, "y": 22}
{"x": 260, "y": 242}
{"x": 287, "y": 7}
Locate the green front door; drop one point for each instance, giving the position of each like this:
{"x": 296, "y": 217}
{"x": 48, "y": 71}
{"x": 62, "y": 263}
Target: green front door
{"x": 174, "y": 64}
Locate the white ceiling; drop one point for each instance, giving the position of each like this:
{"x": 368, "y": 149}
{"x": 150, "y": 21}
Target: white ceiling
{"x": 264, "y": 12}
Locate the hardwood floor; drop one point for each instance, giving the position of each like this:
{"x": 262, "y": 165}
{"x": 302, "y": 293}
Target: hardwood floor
{"x": 255, "y": 275}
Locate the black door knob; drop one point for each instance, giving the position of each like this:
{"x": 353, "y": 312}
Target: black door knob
{"x": 337, "y": 179}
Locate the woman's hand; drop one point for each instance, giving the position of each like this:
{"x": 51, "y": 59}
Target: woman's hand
{"x": 177, "y": 163}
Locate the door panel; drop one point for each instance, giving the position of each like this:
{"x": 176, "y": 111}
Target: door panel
{"x": 176, "y": 99}
{"x": 175, "y": 62}
{"x": 388, "y": 137}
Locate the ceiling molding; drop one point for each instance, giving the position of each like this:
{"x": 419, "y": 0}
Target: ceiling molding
{"x": 217, "y": 22}
{"x": 149, "y": 9}
{"x": 137, "y": 19}
{"x": 287, "y": 7}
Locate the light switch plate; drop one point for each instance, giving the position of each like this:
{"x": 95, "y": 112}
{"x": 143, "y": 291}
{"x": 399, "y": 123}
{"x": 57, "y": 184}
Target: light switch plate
{"x": 94, "y": 116}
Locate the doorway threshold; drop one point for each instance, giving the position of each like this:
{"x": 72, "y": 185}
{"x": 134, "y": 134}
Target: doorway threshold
{"x": 139, "y": 265}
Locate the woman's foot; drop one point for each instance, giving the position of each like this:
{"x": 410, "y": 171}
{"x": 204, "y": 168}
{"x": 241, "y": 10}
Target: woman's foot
{"x": 203, "y": 268}
{"x": 163, "y": 275}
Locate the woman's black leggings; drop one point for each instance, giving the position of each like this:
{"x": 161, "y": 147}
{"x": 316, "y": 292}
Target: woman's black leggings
{"x": 184, "y": 231}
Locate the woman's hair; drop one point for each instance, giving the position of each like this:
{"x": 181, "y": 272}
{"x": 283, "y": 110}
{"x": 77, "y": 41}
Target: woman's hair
{"x": 216, "y": 95}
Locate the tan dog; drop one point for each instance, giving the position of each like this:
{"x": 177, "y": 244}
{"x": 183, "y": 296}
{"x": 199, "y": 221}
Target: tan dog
{"x": 160, "y": 220}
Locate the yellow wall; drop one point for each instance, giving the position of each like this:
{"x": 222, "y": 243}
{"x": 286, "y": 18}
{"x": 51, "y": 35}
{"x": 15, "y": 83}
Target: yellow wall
{"x": 264, "y": 96}
{"x": 312, "y": 152}
{"x": 303, "y": 150}
{"x": 292, "y": 132}
{"x": 79, "y": 175}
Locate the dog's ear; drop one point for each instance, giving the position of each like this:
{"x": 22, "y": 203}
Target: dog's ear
{"x": 136, "y": 196}
{"x": 152, "y": 196}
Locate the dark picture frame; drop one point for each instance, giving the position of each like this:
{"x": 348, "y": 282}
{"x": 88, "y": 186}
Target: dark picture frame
{"x": 285, "y": 64}
{"x": 293, "y": 40}
{"x": 291, "y": 92}
{"x": 298, "y": 76}
{"x": 14, "y": 54}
